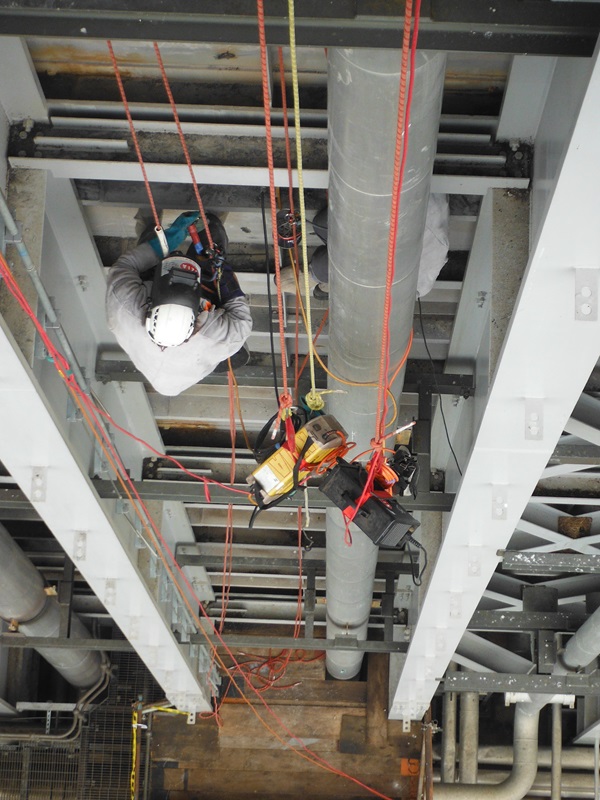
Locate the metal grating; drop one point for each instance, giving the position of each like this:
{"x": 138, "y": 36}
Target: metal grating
{"x": 97, "y": 766}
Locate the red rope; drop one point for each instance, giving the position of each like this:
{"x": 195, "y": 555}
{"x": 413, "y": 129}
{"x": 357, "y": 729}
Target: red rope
{"x": 164, "y": 552}
{"x": 269, "y": 137}
{"x": 133, "y": 133}
{"x": 184, "y": 146}
{"x": 400, "y": 153}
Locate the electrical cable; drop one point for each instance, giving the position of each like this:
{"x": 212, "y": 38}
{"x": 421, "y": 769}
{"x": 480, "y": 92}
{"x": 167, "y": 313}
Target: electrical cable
{"x": 433, "y": 372}
{"x": 269, "y": 296}
{"x": 417, "y": 576}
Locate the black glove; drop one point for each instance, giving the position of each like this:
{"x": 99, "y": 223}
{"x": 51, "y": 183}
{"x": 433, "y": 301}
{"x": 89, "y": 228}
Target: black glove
{"x": 229, "y": 288}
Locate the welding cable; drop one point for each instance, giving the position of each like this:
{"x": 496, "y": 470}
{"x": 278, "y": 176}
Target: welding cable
{"x": 433, "y": 372}
{"x": 174, "y": 572}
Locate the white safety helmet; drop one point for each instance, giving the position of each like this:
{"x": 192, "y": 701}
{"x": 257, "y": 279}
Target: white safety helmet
{"x": 175, "y": 301}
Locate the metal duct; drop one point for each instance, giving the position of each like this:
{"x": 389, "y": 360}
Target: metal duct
{"x": 22, "y": 598}
{"x": 362, "y": 97}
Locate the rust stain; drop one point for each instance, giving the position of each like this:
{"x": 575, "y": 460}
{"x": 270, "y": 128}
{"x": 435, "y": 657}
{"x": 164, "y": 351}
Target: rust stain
{"x": 197, "y": 425}
{"x": 63, "y": 59}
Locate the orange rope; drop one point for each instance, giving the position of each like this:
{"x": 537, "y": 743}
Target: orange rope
{"x": 91, "y": 414}
{"x": 133, "y": 133}
{"x": 269, "y": 137}
{"x": 184, "y": 146}
{"x": 395, "y": 208}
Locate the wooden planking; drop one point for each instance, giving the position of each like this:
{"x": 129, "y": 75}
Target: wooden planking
{"x": 346, "y": 694}
{"x": 174, "y": 740}
{"x": 317, "y": 726}
{"x": 287, "y": 762}
{"x": 218, "y": 784}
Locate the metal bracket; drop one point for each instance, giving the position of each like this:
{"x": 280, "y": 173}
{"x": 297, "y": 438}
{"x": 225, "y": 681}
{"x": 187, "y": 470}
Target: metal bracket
{"x": 80, "y": 546}
{"x": 499, "y": 502}
{"x": 38, "y": 484}
{"x": 534, "y": 419}
{"x": 586, "y": 295}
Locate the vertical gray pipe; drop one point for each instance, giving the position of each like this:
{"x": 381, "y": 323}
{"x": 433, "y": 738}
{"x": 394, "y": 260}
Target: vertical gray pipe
{"x": 362, "y": 111}
{"x": 556, "y": 774}
{"x": 22, "y": 598}
{"x": 468, "y": 743}
{"x": 448, "y": 764}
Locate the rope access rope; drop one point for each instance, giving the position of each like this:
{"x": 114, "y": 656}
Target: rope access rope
{"x": 400, "y": 154}
{"x": 184, "y": 146}
{"x": 134, "y": 136}
{"x": 285, "y": 403}
{"x": 313, "y": 399}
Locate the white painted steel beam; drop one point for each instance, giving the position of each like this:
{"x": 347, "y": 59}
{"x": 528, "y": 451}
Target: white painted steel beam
{"x": 551, "y": 346}
{"x": 74, "y": 277}
{"x": 238, "y": 176}
{"x": 48, "y": 470}
{"x": 21, "y": 95}
{"x": 526, "y": 91}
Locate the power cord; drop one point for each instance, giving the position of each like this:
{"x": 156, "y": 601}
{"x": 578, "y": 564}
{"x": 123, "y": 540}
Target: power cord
{"x": 437, "y": 386}
{"x": 417, "y": 575}
{"x": 268, "y": 274}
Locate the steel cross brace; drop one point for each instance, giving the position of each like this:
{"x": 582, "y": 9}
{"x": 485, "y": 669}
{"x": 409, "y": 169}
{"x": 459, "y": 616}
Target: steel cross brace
{"x": 533, "y": 684}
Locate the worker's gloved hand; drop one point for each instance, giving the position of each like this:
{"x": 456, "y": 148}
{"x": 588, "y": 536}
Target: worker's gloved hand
{"x": 229, "y": 288}
{"x": 175, "y": 233}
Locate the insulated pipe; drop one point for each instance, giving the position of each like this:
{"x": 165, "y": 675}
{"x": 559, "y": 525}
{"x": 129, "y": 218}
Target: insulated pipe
{"x": 22, "y": 598}
{"x": 362, "y": 111}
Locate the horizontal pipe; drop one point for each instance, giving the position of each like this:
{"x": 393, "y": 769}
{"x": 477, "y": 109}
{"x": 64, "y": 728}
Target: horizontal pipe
{"x": 24, "y": 601}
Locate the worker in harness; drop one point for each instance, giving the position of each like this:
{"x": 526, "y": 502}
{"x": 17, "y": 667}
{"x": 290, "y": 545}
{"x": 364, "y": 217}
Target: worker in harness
{"x": 190, "y": 318}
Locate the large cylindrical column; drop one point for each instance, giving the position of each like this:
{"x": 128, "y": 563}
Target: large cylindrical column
{"x": 22, "y": 598}
{"x": 363, "y": 102}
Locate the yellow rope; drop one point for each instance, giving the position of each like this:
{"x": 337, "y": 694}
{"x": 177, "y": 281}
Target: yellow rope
{"x": 134, "y": 724}
{"x": 313, "y": 398}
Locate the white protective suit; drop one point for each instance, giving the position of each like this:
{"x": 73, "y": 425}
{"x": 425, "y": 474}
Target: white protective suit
{"x": 220, "y": 332}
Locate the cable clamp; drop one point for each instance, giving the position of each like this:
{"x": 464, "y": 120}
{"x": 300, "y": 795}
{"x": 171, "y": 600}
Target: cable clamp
{"x": 14, "y": 238}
